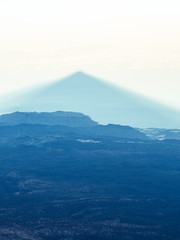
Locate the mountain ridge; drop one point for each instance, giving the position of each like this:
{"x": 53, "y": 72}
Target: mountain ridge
{"x": 62, "y": 124}
{"x": 72, "y": 119}
{"x": 103, "y": 101}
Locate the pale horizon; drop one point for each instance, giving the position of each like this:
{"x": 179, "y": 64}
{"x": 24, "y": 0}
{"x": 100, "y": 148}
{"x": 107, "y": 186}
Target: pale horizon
{"x": 134, "y": 45}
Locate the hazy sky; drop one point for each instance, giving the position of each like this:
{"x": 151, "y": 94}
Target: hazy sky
{"x": 133, "y": 43}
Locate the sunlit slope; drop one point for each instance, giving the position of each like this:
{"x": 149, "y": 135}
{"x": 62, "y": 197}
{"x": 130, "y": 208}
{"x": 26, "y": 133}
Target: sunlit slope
{"x": 103, "y": 102}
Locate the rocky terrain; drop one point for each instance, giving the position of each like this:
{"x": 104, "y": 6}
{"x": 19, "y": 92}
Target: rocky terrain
{"x": 99, "y": 182}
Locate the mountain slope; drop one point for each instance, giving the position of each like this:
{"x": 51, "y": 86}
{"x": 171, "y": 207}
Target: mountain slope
{"x": 60, "y": 124}
{"x": 103, "y": 102}
{"x": 71, "y": 119}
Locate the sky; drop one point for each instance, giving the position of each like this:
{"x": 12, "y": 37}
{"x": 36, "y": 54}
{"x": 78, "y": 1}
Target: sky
{"x": 134, "y": 44}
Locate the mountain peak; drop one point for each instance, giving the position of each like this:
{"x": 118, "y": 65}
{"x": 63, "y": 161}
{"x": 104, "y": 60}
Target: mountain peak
{"x": 78, "y": 81}
{"x": 79, "y": 76}
{"x": 81, "y": 92}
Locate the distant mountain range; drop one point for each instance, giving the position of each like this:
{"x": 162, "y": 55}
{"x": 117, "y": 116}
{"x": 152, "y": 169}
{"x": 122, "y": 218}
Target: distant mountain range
{"x": 70, "y": 119}
{"x": 104, "y": 102}
{"x": 161, "y": 134}
{"x": 60, "y": 124}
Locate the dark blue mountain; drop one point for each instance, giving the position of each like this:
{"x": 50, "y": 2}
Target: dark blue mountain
{"x": 71, "y": 119}
{"x": 55, "y": 124}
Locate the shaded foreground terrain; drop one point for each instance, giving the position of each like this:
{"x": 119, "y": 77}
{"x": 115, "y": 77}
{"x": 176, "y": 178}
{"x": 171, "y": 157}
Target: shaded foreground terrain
{"x": 103, "y": 188}
{"x": 94, "y": 182}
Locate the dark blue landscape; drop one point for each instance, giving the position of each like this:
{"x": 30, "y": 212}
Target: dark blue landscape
{"x": 65, "y": 176}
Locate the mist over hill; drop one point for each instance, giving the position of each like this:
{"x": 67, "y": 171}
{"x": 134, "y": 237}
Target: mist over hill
{"x": 102, "y": 101}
